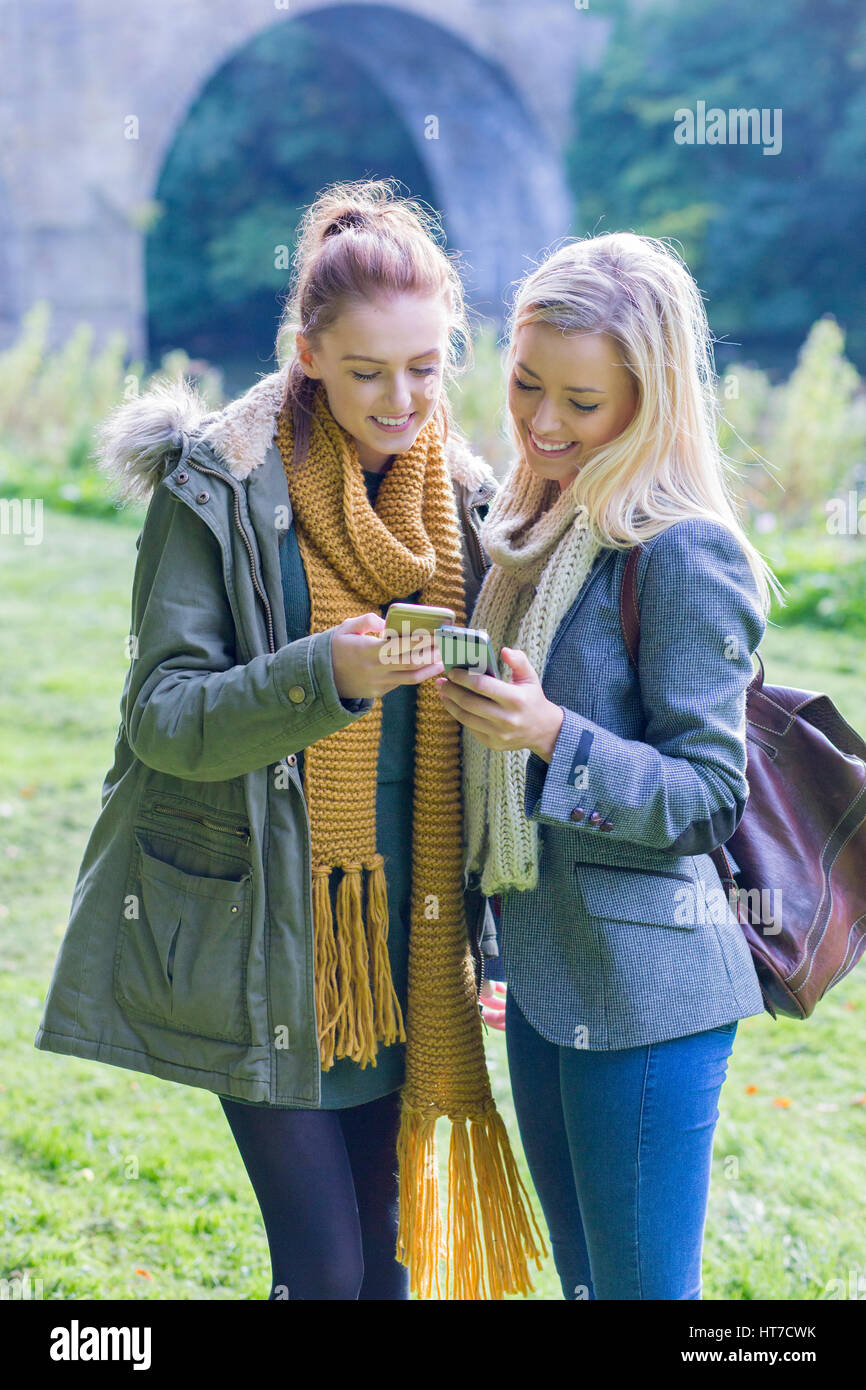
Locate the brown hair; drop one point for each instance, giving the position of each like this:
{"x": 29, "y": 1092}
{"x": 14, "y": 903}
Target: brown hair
{"x": 355, "y": 241}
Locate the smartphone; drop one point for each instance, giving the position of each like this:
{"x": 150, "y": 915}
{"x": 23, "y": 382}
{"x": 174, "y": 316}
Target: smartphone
{"x": 421, "y": 617}
{"x": 468, "y": 648}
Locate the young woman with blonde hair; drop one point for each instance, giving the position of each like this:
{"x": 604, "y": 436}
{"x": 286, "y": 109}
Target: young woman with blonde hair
{"x": 595, "y": 792}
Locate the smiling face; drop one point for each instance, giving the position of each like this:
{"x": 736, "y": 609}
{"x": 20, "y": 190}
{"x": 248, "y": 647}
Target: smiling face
{"x": 568, "y": 393}
{"x": 381, "y": 364}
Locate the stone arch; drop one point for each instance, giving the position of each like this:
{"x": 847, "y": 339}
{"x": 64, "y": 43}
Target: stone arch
{"x": 500, "y": 80}
{"x": 495, "y": 177}
{"x": 498, "y": 180}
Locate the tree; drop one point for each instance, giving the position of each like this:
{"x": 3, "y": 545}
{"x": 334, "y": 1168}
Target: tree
{"x": 287, "y": 115}
{"x": 775, "y": 241}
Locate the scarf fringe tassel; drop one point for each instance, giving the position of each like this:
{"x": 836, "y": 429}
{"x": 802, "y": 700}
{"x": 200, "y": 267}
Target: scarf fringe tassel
{"x": 489, "y": 1239}
{"x": 353, "y": 1015}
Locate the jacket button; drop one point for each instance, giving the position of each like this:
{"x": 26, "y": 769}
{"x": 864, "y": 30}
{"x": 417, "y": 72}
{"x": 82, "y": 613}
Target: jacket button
{"x": 182, "y": 477}
{"x": 297, "y": 694}
{"x": 606, "y": 825}
{"x": 291, "y": 759}
{"x": 596, "y": 818}
{"x": 577, "y": 813}
{"x": 202, "y": 497}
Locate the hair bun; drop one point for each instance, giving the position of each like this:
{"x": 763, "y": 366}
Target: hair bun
{"x": 351, "y": 217}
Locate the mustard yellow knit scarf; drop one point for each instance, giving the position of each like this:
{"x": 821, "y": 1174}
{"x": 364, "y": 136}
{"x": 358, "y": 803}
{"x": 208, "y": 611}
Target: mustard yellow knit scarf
{"x": 356, "y": 558}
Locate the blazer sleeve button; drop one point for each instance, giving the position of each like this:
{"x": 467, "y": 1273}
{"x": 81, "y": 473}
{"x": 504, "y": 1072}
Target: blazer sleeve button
{"x": 297, "y": 694}
{"x": 577, "y": 813}
{"x": 606, "y": 825}
{"x": 596, "y": 818}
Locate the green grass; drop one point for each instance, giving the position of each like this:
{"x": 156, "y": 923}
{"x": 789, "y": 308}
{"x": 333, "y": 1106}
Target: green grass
{"x": 105, "y": 1173}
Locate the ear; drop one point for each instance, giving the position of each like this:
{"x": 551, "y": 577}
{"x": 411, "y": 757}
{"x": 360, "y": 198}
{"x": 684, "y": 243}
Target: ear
{"x": 306, "y": 358}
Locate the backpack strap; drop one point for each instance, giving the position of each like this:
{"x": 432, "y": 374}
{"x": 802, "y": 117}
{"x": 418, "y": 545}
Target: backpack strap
{"x": 629, "y": 617}
{"x": 629, "y": 612}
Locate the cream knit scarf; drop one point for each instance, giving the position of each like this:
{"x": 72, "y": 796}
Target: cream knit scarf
{"x": 542, "y": 547}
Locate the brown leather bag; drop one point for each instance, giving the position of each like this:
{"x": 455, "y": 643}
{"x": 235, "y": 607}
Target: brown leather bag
{"x": 800, "y": 846}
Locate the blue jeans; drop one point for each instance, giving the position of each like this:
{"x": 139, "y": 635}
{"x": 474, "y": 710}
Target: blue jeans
{"x": 619, "y": 1147}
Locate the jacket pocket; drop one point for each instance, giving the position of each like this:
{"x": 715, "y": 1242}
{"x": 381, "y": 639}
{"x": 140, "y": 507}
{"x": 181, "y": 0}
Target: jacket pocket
{"x": 639, "y": 895}
{"x": 183, "y": 948}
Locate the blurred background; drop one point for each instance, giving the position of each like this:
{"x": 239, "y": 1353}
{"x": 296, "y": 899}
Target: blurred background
{"x": 154, "y": 163}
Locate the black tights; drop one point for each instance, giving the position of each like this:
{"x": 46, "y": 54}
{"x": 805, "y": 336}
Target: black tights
{"x": 326, "y": 1183}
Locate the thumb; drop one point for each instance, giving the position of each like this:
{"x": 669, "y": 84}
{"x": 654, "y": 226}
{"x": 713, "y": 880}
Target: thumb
{"x": 519, "y": 663}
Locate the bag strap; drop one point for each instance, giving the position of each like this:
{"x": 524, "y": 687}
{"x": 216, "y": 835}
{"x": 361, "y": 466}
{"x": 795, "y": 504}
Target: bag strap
{"x": 629, "y": 612}
{"x": 629, "y": 616}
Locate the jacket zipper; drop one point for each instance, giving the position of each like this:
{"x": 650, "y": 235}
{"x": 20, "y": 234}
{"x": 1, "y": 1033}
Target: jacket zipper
{"x": 239, "y": 830}
{"x": 483, "y": 565}
{"x": 480, "y": 1000}
{"x": 481, "y": 978}
{"x": 239, "y": 524}
{"x": 476, "y": 546}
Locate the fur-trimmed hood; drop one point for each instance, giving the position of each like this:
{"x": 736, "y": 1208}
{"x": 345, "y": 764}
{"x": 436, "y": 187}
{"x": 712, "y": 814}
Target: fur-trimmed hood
{"x": 141, "y": 435}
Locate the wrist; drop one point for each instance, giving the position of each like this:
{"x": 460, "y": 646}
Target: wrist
{"x": 337, "y": 671}
{"x": 544, "y": 746}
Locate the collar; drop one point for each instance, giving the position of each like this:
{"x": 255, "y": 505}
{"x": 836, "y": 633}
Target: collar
{"x": 241, "y": 434}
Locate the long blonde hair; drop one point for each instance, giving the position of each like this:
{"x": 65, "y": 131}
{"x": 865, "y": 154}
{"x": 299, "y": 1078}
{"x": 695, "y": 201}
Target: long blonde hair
{"x": 667, "y": 463}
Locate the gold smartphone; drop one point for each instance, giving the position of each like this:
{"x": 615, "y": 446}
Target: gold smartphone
{"x": 421, "y": 617}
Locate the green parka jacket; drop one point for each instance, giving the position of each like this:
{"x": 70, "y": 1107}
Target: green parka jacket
{"x": 189, "y": 950}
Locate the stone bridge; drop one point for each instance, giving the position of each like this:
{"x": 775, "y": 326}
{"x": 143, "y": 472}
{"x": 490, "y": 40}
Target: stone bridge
{"x": 499, "y": 76}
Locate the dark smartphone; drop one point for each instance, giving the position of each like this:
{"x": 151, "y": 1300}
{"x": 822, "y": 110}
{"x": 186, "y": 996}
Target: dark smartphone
{"x": 468, "y": 648}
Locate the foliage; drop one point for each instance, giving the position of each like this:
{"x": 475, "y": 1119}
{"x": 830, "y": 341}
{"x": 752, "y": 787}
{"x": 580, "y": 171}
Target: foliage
{"x": 288, "y": 114}
{"x": 52, "y": 400}
{"x": 820, "y": 434}
{"x": 803, "y": 442}
{"x": 825, "y": 577}
{"x": 772, "y": 239}
{"x": 478, "y": 398}
{"x": 799, "y": 447}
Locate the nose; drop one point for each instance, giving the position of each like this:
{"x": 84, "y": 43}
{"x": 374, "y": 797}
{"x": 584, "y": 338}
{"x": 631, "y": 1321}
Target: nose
{"x": 546, "y": 421}
{"x": 399, "y": 396}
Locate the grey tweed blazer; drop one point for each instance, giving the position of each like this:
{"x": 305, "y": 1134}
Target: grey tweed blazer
{"x": 628, "y": 938}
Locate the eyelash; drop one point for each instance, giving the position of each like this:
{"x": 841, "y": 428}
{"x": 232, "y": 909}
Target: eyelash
{"x": 419, "y": 371}
{"x": 584, "y": 409}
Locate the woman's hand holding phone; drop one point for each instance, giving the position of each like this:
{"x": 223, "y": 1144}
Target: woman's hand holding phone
{"x": 363, "y": 660}
{"x": 504, "y": 714}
